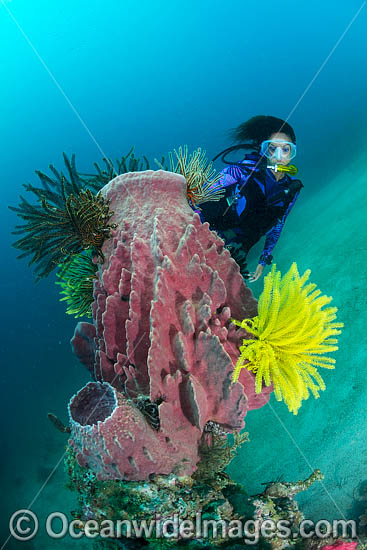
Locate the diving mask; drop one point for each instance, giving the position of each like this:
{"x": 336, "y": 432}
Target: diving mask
{"x": 278, "y": 149}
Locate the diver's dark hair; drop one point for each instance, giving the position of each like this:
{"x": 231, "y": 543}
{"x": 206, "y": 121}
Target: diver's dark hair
{"x": 259, "y": 128}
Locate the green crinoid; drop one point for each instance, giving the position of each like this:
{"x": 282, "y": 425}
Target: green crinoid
{"x": 127, "y": 163}
{"x": 76, "y": 278}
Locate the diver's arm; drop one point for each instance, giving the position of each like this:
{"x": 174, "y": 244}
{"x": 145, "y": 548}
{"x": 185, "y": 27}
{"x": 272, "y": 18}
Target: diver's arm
{"x": 229, "y": 175}
{"x": 273, "y": 235}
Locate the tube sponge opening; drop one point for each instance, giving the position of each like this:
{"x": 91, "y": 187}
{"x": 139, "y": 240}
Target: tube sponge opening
{"x": 93, "y": 403}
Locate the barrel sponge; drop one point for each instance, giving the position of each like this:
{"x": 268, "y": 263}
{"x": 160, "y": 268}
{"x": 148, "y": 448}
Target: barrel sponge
{"x": 162, "y": 331}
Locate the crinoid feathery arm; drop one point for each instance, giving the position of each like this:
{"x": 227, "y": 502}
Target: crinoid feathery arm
{"x": 200, "y": 176}
{"x": 290, "y": 335}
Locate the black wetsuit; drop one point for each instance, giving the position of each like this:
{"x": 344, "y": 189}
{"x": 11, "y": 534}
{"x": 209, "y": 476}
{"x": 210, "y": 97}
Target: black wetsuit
{"x": 255, "y": 204}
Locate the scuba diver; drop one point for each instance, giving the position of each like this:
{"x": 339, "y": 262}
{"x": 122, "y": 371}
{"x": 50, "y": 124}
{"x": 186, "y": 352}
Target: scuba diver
{"x": 259, "y": 190}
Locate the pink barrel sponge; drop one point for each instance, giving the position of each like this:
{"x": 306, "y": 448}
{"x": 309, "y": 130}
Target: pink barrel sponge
{"x": 161, "y": 348}
{"x": 341, "y": 545}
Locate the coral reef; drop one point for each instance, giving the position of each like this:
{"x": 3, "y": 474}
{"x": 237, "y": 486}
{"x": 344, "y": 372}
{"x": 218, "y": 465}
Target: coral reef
{"x": 286, "y": 489}
{"x": 163, "y": 347}
{"x": 163, "y": 497}
{"x": 277, "y": 503}
{"x": 291, "y": 332}
{"x": 216, "y": 454}
{"x": 212, "y": 499}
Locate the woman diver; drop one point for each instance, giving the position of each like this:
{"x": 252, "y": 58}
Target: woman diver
{"x": 259, "y": 190}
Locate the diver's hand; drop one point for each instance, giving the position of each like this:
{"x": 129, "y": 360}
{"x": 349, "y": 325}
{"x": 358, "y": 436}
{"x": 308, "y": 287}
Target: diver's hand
{"x": 255, "y": 276}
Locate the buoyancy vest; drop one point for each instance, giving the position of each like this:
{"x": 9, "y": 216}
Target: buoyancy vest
{"x": 266, "y": 200}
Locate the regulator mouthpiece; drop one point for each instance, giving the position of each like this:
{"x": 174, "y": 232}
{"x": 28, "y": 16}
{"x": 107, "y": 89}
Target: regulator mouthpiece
{"x": 291, "y": 169}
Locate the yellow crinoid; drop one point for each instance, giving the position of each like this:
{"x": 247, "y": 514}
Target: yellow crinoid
{"x": 290, "y": 335}
{"x": 200, "y": 177}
